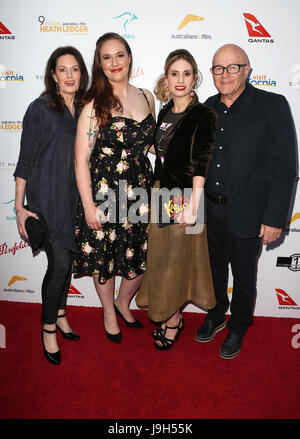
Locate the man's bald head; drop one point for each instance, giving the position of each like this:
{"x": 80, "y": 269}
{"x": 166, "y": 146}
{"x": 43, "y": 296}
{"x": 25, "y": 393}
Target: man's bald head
{"x": 232, "y": 50}
{"x": 229, "y": 84}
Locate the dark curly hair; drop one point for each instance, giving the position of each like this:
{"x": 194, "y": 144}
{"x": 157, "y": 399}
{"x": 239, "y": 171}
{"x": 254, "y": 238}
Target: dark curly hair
{"x": 57, "y": 102}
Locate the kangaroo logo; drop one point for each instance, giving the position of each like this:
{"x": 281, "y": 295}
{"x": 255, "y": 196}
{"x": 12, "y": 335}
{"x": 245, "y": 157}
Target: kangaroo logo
{"x": 9, "y": 202}
{"x": 129, "y": 17}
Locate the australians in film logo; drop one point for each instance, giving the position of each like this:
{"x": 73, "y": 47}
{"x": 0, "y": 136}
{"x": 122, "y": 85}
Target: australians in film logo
{"x": 187, "y": 23}
{"x": 256, "y": 31}
{"x": 284, "y": 300}
{"x": 14, "y": 287}
{"x": 294, "y": 219}
{"x": 5, "y": 33}
{"x": 64, "y": 27}
{"x": 126, "y": 20}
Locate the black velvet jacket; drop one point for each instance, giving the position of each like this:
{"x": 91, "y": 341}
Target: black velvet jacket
{"x": 190, "y": 148}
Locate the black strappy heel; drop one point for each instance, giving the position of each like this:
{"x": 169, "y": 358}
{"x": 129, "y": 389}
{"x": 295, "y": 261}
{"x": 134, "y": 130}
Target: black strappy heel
{"x": 167, "y": 343}
{"x": 68, "y": 335}
{"x": 55, "y": 357}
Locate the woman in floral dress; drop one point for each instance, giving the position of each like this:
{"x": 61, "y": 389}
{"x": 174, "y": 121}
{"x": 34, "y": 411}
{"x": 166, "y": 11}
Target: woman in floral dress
{"x": 114, "y": 176}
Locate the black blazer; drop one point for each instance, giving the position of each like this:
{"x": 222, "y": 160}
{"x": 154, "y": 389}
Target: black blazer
{"x": 261, "y": 163}
{"x": 190, "y": 148}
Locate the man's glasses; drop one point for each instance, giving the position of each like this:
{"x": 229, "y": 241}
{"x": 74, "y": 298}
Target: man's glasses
{"x": 232, "y": 69}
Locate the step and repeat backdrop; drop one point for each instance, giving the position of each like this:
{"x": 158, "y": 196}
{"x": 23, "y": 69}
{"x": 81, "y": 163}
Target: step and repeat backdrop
{"x": 30, "y": 30}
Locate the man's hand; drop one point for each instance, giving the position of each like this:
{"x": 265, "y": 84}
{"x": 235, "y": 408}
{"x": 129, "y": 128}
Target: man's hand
{"x": 269, "y": 234}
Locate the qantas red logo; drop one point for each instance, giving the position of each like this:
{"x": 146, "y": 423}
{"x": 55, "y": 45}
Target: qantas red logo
{"x": 73, "y": 290}
{"x": 284, "y": 299}
{"x": 254, "y": 27}
{"x": 3, "y": 29}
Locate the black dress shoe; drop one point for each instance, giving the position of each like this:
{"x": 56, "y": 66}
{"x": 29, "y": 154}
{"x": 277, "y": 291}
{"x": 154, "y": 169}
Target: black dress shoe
{"x": 231, "y": 346}
{"x": 68, "y": 335}
{"x": 208, "y": 330}
{"x": 55, "y": 357}
{"x": 115, "y": 338}
{"x": 134, "y": 325}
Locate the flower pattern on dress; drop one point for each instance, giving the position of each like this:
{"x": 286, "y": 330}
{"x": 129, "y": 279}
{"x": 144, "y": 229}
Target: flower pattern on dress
{"x": 119, "y": 247}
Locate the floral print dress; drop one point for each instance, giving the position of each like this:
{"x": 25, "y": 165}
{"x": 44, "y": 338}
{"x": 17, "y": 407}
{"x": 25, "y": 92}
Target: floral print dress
{"x": 121, "y": 176}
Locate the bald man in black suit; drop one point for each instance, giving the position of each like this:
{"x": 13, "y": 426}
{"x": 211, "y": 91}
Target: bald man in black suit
{"x": 248, "y": 189}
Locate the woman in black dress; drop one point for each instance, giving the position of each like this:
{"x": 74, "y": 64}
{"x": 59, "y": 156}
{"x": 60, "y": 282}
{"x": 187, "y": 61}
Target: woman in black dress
{"x": 45, "y": 174}
{"x": 115, "y": 131}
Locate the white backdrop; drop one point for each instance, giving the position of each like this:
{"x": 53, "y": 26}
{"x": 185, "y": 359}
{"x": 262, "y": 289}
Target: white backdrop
{"x": 30, "y": 30}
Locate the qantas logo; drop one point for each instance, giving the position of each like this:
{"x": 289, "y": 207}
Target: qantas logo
{"x": 255, "y": 29}
{"x": 73, "y": 292}
{"x": 3, "y": 29}
{"x": 5, "y": 34}
{"x": 284, "y": 299}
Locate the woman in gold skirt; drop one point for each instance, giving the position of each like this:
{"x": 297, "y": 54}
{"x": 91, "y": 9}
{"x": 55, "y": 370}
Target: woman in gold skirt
{"x": 178, "y": 268}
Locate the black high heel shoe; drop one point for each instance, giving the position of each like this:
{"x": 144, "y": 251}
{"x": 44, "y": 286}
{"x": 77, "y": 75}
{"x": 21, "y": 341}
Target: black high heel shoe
{"x": 167, "y": 343}
{"x": 115, "y": 338}
{"x": 158, "y": 333}
{"x": 68, "y": 335}
{"x": 55, "y": 357}
{"x": 134, "y": 325}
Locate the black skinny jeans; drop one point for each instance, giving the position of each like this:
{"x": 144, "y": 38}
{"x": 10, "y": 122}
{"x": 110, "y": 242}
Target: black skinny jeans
{"x": 56, "y": 282}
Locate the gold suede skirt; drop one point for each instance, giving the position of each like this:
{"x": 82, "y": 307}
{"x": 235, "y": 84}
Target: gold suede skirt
{"x": 177, "y": 271}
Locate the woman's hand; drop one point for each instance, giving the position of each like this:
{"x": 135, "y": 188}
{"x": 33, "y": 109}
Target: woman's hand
{"x": 187, "y": 217}
{"x": 22, "y": 215}
{"x": 94, "y": 218}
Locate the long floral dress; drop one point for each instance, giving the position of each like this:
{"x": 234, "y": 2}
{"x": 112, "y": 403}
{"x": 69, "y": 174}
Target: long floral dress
{"x": 121, "y": 176}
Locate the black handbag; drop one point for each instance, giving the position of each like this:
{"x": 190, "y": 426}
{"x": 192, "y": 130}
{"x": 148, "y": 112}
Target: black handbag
{"x": 37, "y": 231}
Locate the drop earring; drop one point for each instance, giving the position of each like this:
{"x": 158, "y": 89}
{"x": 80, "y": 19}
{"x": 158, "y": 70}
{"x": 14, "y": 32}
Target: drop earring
{"x": 192, "y": 92}
{"x": 57, "y": 89}
{"x": 167, "y": 93}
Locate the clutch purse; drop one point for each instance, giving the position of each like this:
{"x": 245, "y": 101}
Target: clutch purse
{"x": 37, "y": 231}
{"x": 169, "y": 210}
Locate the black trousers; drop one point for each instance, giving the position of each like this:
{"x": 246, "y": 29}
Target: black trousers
{"x": 242, "y": 254}
{"x": 56, "y": 282}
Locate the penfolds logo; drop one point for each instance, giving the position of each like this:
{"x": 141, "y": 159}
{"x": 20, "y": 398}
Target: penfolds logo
{"x": 5, "y": 249}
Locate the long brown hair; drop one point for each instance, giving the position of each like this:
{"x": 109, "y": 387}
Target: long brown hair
{"x": 101, "y": 90}
{"x": 57, "y": 101}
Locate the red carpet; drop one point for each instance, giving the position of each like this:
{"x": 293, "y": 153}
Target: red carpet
{"x": 100, "y": 380}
